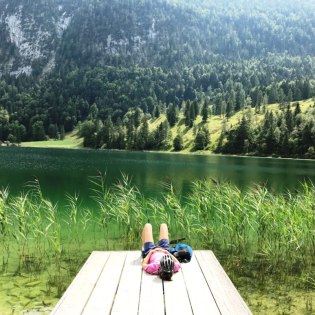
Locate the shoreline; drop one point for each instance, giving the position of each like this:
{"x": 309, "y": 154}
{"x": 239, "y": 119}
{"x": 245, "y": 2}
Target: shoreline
{"x": 198, "y": 153}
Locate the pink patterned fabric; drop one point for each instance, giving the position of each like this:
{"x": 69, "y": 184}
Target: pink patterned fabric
{"x": 154, "y": 263}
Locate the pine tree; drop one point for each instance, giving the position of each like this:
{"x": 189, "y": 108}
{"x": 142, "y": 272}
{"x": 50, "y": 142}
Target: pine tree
{"x": 52, "y": 131}
{"x": 131, "y": 136}
{"x": 240, "y": 99}
{"x": 160, "y": 136}
{"x": 118, "y": 140}
{"x": 171, "y": 114}
{"x": 88, "y": 133}
{"x": 271, "y": 140}
{"x": 273, "y": 94}
{"x": 192, "y": 115}
{"x": 284, "y": 138}
{"x": 297, "y": 109}
{"x": 218, "y": 105}
{"x": 242, "y": 136}
{"x": 187, "y": 113}
{"x": 202, "y": 139}
{"x": 178, "y": 143}
{"x": 196, "y": 108}
{"x": 105, "y": 135}
{"x": 137, "y": 117}
{"x": 220, "y": 142}
{"x": 156, "y": 112}
{"x": 229, "y": 109}
{"x": 289, "y": 118}
{"x": 307, "y": 136}
{"x": 204, "y": 111}
{"x": 38, "y": 131}
{"x": 93, "y": 112}
{"x": 62, "y": 133}
{"x": 306, "y": 90}
{"x": 143, "y": 135}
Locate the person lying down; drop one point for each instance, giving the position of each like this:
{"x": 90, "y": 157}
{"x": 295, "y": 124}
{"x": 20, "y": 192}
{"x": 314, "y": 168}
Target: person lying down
{"x": 156, "y": 259}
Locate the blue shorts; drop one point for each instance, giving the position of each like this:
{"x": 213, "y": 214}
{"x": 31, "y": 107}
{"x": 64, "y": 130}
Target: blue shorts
{"x": 163, "y": 243}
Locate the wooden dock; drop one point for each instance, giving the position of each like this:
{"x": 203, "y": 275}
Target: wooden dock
{"x": 114, "y": 283}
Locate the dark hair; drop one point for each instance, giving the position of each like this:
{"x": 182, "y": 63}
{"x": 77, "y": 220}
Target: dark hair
{"x": 166, "y": 269}
{"x": 166, "y": 276}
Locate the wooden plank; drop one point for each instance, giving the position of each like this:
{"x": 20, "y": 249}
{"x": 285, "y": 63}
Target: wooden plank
{"x": 113, "y": 283}
{"x": 151, "y": 295}
{"x": 176, "y": 297}
{"x": 223, "y": 290}
{"x": 128, "y": 293}
{"x": 77, "y": 294}
{"x": 102, "y": 297}
{"x": 201, "y": 299}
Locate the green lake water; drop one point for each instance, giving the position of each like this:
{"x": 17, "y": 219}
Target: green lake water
{"x": 62, "y": 171}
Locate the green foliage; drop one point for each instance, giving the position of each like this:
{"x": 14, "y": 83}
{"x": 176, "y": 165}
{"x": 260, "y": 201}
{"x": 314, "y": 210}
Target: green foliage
{"x": 160, "y": 136}
{"x": 202, "y": 139}
{"x": 38, "y": 131}
{"x": 172, "y": 114}
{"x": 205, "y": 112}
{"x": 143, "y": 135}
{"x": 285, "y": 133}
{"x": 178, "y": 143}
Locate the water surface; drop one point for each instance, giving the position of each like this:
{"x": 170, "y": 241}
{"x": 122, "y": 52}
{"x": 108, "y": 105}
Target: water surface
{"x": 64, "y": 170}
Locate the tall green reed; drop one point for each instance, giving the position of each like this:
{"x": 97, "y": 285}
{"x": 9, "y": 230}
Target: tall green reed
{"x": 5, "y": 227}
{"x": 274, "y": 233}
{"x": 103, "y": 198}
{"x": 265, "y": 233}
{"x": 178, "y": 216}
{"x": 128, "y": 212}
{"x": 25, "y": 228}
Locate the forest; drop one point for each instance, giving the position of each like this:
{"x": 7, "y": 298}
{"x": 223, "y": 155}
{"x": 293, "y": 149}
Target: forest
{"x": 120, "y": 64}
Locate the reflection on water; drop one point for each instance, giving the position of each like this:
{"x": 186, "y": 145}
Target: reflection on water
{"x": 61, "y": 170}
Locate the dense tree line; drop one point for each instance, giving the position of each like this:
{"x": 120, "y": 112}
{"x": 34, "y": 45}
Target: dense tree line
{"x": 286, "y": 133}
{"x": 131, "y": 133}
{"x": 56, "y": 104}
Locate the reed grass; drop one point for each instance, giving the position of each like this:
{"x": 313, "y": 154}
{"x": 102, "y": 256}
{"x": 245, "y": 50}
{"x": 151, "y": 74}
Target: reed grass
{"x": 5, "y": 228}
{"x": 256, "y": 232}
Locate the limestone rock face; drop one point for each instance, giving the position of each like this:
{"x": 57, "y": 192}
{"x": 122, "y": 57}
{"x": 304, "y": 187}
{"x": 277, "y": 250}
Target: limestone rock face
{"x": 30, "y": 33}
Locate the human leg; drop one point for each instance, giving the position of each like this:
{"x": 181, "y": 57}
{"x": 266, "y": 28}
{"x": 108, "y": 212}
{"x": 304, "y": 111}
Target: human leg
{"x": 163, "y": 237}
{"x": 163, "y": 232}
{"x": 147, "y": 239}
{"x": 147, "y": 234}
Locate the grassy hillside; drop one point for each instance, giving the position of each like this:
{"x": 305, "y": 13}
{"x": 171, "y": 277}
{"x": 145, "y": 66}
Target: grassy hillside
{"x": 214, "y": 125}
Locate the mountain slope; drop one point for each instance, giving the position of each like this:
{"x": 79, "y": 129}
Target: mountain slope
{"x": 31, "y": 32}
{"x": 149, "y": 33}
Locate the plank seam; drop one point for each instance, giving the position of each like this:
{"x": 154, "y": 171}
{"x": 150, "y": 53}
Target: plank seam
{"x": 121, "y": 272}
{"x": 164, "y": 301}
{"x": 215, "y": 300}
{"x": 140, "y": 289}
{"x": 95, "y": 283}
{"x": 183, "y": 274}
